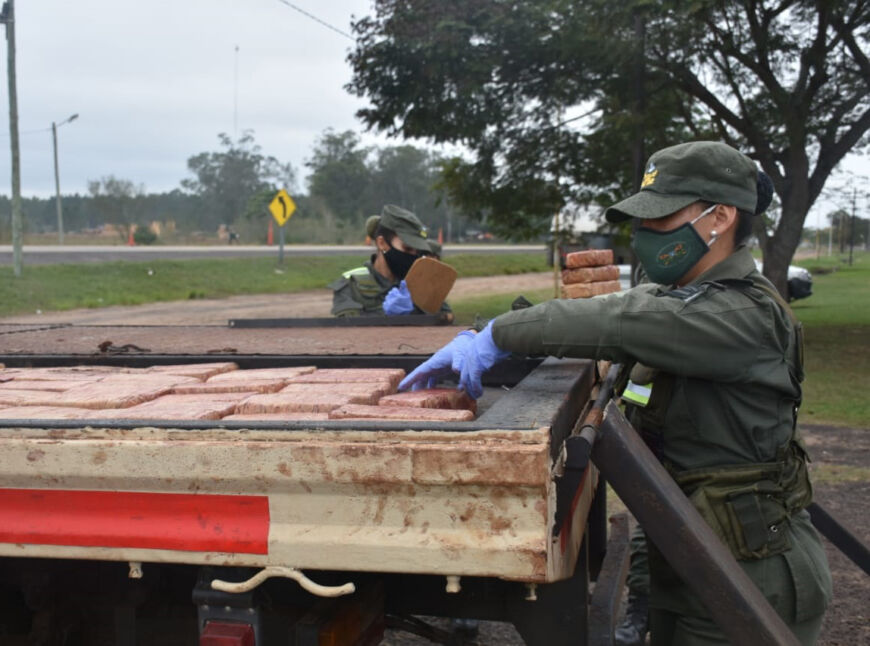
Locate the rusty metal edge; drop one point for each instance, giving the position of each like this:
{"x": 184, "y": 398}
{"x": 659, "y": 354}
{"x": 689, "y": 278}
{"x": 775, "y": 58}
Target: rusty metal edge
{"x": 607, "y": 594}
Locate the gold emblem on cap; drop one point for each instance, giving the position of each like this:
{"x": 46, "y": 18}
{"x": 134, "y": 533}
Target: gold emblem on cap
{"x": 649, "y": 178}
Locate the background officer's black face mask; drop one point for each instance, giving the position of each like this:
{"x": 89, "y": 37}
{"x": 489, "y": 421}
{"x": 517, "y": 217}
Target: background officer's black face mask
{"x": 399, "y": 262}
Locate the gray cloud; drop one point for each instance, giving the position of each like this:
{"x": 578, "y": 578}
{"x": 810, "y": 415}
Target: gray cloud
{"x": 153, "y": 83}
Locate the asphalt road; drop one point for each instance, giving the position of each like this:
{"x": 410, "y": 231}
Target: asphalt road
{"x": 54, "y": 254}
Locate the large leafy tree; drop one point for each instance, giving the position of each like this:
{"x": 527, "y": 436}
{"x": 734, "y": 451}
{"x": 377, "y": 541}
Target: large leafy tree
{"x": 349, "y": 182}
{"x": 787, "y": 81}
{"x": 340, "y": 176}
{"x": 227, "y": 180}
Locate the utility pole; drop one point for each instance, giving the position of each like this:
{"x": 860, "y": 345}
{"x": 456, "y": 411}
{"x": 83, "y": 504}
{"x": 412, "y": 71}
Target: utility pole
{"x": 7, "y": 17}
{"x": 236, "y": 94}
{"x": 852, "y": 226}
{"x": 54, "y": 128}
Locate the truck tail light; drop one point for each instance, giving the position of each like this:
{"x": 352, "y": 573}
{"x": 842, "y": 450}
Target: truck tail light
{"x": 224, "y": 633}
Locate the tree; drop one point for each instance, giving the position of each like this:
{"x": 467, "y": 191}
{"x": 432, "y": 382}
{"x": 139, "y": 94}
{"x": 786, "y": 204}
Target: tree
{"x": 227, "y": 180}
{"x": 340, "y": 176}
{"x": 118, "y": 201}
{"x": 499, "y": 78}
{"x": 786, "y": 81}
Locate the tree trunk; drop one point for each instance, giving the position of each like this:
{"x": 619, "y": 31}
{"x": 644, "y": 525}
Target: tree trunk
{"x": 779, "y": 249}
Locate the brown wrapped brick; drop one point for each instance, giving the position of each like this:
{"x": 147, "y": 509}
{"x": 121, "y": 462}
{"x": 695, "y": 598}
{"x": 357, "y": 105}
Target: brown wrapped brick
{"x": 263, "y": 373}
{"x": 179, "y": 407}
{"x": 590, "y": 274}
{"x": 29, "y": 398}
{"x": 232, "y": 386}
{"x": 201, "y": 371}
{"x": 276, "y": 417}
{"x": 56, "y": 374}
{"x": 45, "y": 412}
{"x": 409, "y": 413}
{"x": 350, "y": 375}
{"x": 120, "y": 390}
{"x": 27, "y": 384}
{"x": 298, "y": 402}
{"x": 589, "y": 258}
{"x": 587, "y": 290}
{"x": 374, "y": 390}
{"x": 447, "y": 398}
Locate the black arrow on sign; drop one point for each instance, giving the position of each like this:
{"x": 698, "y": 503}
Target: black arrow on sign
{"x": 283, "y": 207}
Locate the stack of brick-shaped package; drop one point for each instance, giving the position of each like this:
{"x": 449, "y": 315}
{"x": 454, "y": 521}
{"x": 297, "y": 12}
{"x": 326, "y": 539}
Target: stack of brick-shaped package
{"x": 589, "y": 273}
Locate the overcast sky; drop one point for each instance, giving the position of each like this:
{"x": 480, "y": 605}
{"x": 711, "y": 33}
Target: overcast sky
{"x": 153, "y": 82}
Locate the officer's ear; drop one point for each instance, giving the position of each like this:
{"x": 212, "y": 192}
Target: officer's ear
{"x": 382, "y": 244}
{"x": 724, "y": 219}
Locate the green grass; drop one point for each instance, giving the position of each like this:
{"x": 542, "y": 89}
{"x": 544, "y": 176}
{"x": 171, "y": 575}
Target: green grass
{"x": 836, "y": 321}
{"x": 63, "y": 287}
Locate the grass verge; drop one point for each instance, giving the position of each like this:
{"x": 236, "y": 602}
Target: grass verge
{"x": 64, "y": 287}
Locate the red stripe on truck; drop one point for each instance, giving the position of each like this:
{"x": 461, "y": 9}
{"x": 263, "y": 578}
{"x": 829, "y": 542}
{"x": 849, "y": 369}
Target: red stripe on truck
{"x": 163, "y": 521}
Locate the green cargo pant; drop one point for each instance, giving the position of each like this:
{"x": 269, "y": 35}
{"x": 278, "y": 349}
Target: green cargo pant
{"x": 686, "y": 622}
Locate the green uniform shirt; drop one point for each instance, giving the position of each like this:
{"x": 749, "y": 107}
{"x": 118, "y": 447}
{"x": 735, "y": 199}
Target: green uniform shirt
{"x": 361, "y": 292}
{"x": 730, "y": 349}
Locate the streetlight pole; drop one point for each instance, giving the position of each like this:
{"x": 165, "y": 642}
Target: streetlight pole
{"x": 7, "y": 17}
{"x": 54, "y": 128}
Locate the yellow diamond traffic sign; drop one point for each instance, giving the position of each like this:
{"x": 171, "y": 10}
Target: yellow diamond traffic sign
{"x": 281, "y": 207}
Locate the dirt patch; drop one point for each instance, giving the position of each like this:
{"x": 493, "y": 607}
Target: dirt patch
{"x": 217, "y": 311}
{"x": 841, "y": 479}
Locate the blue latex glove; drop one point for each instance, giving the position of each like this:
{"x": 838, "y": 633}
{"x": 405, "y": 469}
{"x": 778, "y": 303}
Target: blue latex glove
{"x": 480, "y": 356}
{"x": 398, "y": 301}
{"x": 446, "y": 361}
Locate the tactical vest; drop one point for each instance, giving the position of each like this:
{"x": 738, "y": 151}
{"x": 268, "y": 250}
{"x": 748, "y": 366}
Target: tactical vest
{"x": 746, "y": 505}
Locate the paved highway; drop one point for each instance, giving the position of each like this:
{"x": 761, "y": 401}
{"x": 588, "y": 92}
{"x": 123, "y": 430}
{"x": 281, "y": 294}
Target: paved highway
{"x": 53, "y": 254}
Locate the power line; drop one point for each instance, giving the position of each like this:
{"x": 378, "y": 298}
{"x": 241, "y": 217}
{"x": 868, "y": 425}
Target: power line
{"x": 27, "y": 132}
{"x": 316, "y": 19}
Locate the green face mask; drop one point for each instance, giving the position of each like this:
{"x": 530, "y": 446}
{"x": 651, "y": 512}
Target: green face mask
{"x": 666, "y": 256}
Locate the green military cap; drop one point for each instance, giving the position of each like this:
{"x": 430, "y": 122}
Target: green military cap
{"x": 435, "y": 248}
{"x": 372, "y": 225}
{"x": 680, "y": 175}
{"x": 406, "y": 225}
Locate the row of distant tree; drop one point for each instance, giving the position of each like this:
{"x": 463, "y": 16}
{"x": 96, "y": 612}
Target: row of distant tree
{"x": 233, "y": 185}
{"x": 842, "y": 229}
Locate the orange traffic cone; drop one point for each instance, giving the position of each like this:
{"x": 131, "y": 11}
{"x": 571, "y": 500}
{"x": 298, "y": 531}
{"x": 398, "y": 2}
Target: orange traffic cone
{"x": 270, "y": 236}
{"x": 130, "y": 241}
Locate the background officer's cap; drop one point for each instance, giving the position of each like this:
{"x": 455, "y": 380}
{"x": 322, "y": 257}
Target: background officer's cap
{"x": 372, "y": 225}
{"x": 680, "y": 175}
{"x": 406, "y": 225}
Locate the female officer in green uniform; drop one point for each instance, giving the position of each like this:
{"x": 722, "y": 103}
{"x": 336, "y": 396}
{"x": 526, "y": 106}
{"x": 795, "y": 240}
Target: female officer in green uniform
{"x": 714, "y": 356}
{"x": 400, "y": 238}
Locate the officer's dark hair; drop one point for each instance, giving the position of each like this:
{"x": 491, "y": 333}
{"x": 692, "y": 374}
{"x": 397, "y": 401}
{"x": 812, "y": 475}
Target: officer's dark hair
{"x": 388, "y": 234}
{"x": 745, "y": 219}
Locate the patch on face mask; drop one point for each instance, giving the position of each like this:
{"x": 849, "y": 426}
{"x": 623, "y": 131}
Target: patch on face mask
{"x": 671, "y": 254}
